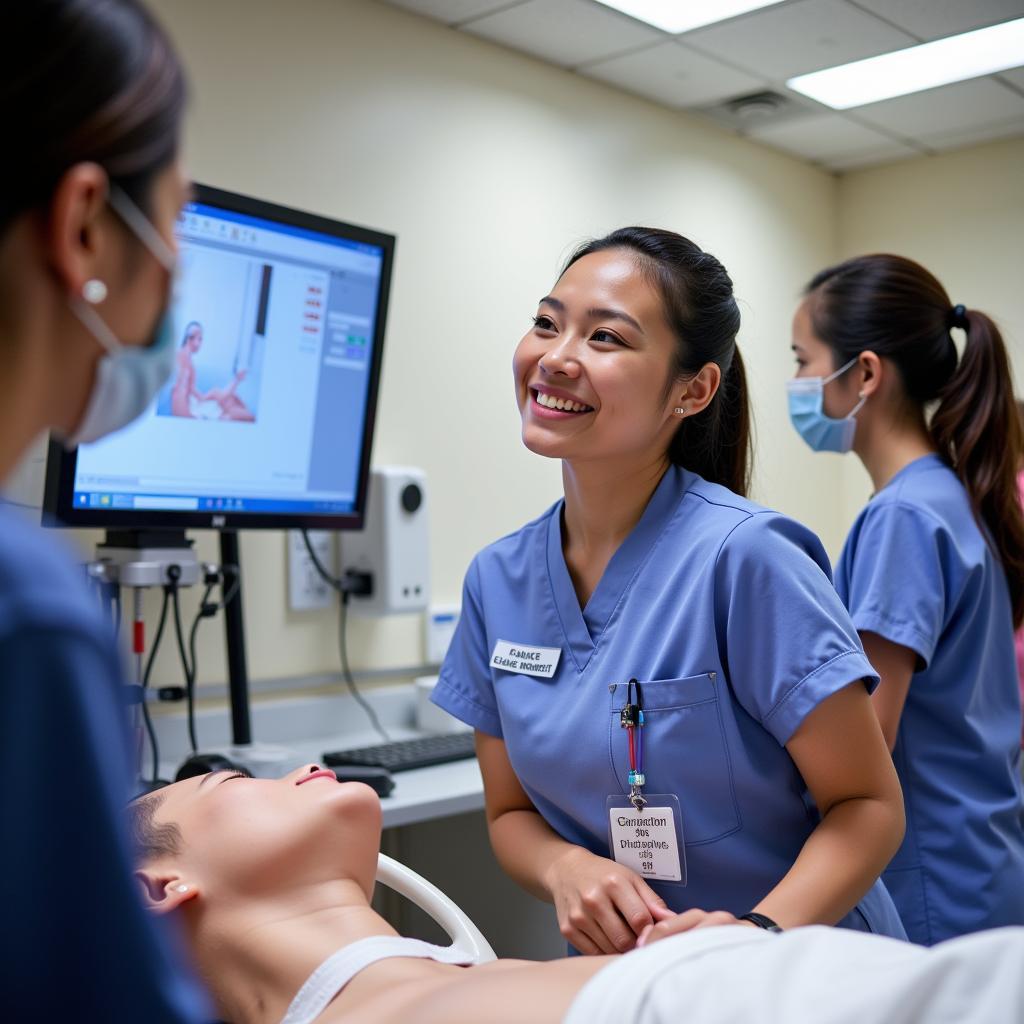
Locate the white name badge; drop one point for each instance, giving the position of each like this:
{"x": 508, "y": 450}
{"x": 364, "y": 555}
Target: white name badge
{"x": 648, "y": 841}
{"x": 527, "y": 661}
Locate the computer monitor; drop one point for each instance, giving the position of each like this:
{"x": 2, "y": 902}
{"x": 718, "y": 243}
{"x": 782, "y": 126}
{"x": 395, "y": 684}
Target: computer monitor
{"x": 268, "y": 418}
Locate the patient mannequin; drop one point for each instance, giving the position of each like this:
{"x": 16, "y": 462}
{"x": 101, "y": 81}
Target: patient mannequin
{"x": 270, "y": 877}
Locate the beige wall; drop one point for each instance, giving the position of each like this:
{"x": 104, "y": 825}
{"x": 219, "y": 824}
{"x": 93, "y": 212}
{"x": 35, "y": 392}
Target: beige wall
{"x": 961, "y": 214}
{"x": 488, "y": 166}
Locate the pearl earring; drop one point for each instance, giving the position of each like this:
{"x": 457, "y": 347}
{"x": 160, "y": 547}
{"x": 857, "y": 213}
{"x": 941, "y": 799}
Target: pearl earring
{"x": 94, "y": 291}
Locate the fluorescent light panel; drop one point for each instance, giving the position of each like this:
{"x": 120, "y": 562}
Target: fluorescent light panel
{"x": 984, "y": 51}
{"x": 677, "y": 16}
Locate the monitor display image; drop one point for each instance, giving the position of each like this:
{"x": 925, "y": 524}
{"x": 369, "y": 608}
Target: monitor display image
{"x": 267, "y": 419}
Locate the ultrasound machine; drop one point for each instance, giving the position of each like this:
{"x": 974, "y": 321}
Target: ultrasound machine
{"x": 266, "y": 423}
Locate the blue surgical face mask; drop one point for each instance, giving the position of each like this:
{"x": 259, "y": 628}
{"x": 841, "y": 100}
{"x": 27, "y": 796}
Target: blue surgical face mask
{"x": 128, "y": 377}
{"x": 806, "y": 412}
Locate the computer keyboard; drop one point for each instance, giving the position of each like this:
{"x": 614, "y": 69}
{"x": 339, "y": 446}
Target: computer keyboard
{"x": 404, "y": 755}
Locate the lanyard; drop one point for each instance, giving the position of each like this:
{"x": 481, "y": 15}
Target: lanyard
{"x": 631, "y": 718}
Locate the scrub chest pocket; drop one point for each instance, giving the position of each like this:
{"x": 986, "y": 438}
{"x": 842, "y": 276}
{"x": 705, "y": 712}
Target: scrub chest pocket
{"x": 685, "y": 752}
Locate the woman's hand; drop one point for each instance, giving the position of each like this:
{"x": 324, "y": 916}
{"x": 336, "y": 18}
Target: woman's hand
{"x": 688, "y": 921}
{"x": 602, "y": 906}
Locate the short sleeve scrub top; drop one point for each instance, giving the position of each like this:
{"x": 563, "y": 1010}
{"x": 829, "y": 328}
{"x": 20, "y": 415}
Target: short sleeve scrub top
{"x": 726, "y": 614}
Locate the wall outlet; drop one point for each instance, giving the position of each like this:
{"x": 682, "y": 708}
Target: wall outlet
{"x": 306, "y": 588}
{"x": 441, "y": 621}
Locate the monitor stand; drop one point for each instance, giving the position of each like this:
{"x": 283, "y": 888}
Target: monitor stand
{"x": 139, "y": 559}
{"x": 234, "y": 641}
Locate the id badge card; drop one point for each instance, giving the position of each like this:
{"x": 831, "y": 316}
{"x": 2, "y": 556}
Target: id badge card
{"x": 649, "y": 841}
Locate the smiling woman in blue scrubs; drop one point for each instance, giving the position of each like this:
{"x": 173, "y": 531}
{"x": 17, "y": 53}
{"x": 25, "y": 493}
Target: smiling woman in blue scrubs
{"x": 758, "y": 736}
{"x": 932, "y": 571}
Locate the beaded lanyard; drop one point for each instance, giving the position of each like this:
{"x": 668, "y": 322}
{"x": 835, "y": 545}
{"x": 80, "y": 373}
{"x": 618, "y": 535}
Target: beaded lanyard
{"x": 631, "y": 718}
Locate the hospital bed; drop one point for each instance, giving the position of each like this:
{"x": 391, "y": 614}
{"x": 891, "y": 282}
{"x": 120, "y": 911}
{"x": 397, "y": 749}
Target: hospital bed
{"x": 810, "y": 975}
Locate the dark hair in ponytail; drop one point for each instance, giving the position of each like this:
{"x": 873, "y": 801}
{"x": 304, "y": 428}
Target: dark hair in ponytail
{"x": 895, "y": 308}
{"x": 85, "y": 80}
{"x": 702, "y": 312}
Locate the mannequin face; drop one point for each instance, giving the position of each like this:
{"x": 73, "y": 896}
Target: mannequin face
{"x": 602, "y": 341}
{"x": 244, "y": 838}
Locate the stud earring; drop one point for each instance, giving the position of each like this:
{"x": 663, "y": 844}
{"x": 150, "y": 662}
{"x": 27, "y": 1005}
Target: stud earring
{"x": 680, "y": 410}
{"x": 181, "y": 888}
{"x": 94, "y": 291}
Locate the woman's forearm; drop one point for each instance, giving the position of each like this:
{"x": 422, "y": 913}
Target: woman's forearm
{"x": 527, "y": 848}
{"x": 838, "y": 864}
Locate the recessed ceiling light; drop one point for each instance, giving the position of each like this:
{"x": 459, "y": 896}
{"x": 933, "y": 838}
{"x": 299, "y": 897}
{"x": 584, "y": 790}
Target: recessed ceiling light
{"x": 970, "y": 55}
{"x": 675, "y": 17}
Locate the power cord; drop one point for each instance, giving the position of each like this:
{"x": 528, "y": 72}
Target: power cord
{"x": 351, "y": 582}
{"x": 147, "y": 720}
{"x": 212, "y": 575}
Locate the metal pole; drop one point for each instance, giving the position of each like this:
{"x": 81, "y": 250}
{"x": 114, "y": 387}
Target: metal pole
{"x": 234, "y": 638}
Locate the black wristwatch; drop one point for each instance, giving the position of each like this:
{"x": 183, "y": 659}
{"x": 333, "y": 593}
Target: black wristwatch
{"x": 761, "y": 921}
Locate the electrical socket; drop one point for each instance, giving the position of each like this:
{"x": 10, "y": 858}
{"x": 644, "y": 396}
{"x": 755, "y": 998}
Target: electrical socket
{"x": 306, "y": 589}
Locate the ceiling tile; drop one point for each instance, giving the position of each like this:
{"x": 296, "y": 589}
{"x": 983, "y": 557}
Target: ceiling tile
{"x": 949, "y": 108}
{"x": 1008, "y": 129}
{"x": 674, "y": 75}
{"x": 871, "y": 157}
{"x": 451, "y": 12}
{"x": 565, "y": 32}
{"x": 936, "y": 19}
{"x": 824, "y": 137}
{"x": 780, "y": 42}
{"x": 1016, "y": 77}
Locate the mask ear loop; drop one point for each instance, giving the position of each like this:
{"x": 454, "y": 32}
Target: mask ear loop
{"x": 141, "y": 225}
{"x": 842, "y": 369}
{"x": 95, "y": 325}
{"x": 857, "y": 408}
{"x": 863, "y": 398}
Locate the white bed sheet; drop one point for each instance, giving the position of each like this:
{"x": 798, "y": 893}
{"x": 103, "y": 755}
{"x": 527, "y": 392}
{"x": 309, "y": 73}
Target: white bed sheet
{"x": 814, "y": 975}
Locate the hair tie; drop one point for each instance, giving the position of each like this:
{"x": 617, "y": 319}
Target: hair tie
{"x": 958, "y": 317}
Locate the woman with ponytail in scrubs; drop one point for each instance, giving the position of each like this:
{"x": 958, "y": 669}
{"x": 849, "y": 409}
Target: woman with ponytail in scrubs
{"x": 93, "y": 97}
{"x": 932, "y": 571}
{"x": 671, "y": 703}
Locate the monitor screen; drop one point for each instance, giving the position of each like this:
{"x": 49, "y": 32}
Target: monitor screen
{"x": 267, "y": 419}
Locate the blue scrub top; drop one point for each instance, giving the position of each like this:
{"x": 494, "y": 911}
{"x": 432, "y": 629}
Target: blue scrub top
{"x": 917, "y": 570}
{"x": 75, "y": 941}
{"x": 726, "y": 614}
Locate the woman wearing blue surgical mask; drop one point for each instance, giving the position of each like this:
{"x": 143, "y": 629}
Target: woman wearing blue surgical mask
{"x": 93, "y": 96}
{"x": 932, "y": 571}
{"x": 670, "y": 702}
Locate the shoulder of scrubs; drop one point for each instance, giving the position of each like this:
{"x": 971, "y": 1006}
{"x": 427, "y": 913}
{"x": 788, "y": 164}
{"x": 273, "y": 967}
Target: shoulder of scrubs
{"x": 71, "y": 910}
{"x": 785, "y": 639}
{"x": 42, "y": 581}
{"x": 908, "y": 556}
{"x": 465, "y": 688}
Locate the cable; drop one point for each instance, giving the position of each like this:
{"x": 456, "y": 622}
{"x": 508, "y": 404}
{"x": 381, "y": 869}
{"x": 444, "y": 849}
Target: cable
{"x": 189, "y": 659}
{"x": 150, "y": 731}
{"x": 331, "y": 581}
{"x": 206, "y": 609}
{"x": 347, "y": 672}
{"x": 350, "y": 583}
{"x": 188, "y": 668}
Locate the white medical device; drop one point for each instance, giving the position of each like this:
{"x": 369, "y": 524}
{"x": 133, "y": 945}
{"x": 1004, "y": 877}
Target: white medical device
{"x": 393, "y": 545}
{"x": 463, "y": 933}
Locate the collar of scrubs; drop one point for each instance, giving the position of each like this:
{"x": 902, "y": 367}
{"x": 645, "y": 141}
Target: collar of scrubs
{"x": 583, "y": 627}
{"x": 923, "y": 462}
